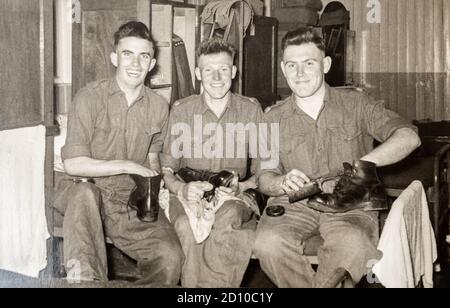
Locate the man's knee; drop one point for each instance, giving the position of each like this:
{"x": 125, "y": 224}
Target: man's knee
{"x": 172, "y": 255}
{"x": 181, "y": 224}
{"x": 78, "y": 197}
{"x": 85, "y": 195}
{"x": 354, "y": 239}
{"x": 232, "y": 211}
{"x": 267, "y": 244}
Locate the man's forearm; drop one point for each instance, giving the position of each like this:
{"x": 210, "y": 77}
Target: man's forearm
{"x": 89, "y": 167}
{"x": 270, "y": 184}
{"x": 394, "y": 149}
{"x": 250, "y": 183}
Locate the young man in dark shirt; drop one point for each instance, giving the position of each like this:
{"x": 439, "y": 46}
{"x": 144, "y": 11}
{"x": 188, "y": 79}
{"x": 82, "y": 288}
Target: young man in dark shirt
{"x": 114, "y": 130}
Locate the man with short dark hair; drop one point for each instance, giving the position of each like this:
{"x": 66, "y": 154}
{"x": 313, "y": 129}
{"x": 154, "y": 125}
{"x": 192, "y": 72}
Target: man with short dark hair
{"x": 114, "y": 131}
{"x": 219, "y": 258}
{"x": 320, "y": 128}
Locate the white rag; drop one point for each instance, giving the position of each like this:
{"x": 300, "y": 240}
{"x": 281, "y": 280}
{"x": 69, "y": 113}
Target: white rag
{"x": 201, "y": 215}
{"x": 22, "y": 203}
{"x": 407, "y": 242}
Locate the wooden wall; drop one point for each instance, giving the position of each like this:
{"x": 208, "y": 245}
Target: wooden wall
{"x": 21, "y": 54}
{"x": 405, "y": 59}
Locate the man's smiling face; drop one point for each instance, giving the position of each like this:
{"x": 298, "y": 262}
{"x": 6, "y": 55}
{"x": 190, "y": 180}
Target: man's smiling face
{"x": 304, "y": 67}
{"x": 216, "y": 72}
{"x": 133, "y": 59}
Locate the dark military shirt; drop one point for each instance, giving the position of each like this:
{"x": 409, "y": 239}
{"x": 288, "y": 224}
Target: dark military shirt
{"x": 343, "y": 132}
{"x": 102, "y": 126}
{"x": 198, "y": 139}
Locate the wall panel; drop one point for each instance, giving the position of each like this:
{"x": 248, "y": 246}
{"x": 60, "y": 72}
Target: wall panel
{"x": 405, "y": 59}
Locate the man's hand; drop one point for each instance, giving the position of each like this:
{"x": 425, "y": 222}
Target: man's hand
{"x": 225, "y": 192}
{"x": 294, "y": 180}
{"x": 194, "y": 191}
{"x": 233, "y": 190}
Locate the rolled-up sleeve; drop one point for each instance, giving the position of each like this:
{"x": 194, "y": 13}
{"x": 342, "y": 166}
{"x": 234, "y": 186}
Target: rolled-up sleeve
{"x": 80, "y": 127}
{"x": 380, "y": 122}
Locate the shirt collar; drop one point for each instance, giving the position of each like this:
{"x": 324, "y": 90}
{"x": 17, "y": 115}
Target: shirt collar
{"x": 114, "y": 89}
{"x": 203, "y": 106}
{"x": 295, "y": 109}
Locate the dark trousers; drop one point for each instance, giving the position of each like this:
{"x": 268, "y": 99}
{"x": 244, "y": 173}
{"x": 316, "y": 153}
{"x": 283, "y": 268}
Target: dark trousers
{"x": 350, "y": 241}
{"x": 88, "y": 218}
{"x": 221, "y": 260}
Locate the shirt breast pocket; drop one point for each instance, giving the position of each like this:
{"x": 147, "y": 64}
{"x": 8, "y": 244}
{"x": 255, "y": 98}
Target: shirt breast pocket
{"x": 294, "y": 153}
{"x": 143, "y": 143}
{"x": 151, "y": 133}
{"x": 346, "y": 142}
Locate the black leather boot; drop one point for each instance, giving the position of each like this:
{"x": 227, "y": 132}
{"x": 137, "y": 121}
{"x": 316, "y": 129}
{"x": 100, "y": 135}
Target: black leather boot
{"x": 223, "y": 178}
{"x": 144, "y": 198}
{"x": 256, "y": 199}
{"x": 217, "y": 179}
{"x": 358, "y": 188}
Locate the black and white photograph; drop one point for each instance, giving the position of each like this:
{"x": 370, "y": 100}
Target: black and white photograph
{"x": 222, "y": 150}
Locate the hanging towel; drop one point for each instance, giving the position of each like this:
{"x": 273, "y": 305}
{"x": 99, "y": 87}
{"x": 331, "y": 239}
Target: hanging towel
{"x": 407, "y": 242}
{"x": 22, "y": 204}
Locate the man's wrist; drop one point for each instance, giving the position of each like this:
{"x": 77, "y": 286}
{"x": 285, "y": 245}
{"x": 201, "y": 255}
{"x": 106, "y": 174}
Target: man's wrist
{"x": 124, "y": 166}
{"x": 179, "y": 186}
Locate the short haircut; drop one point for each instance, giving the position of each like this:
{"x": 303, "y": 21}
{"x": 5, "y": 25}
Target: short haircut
{"x": 215, "y": 46}
{"x": 133, "y": 29}
{"x": 300, "y": 36}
